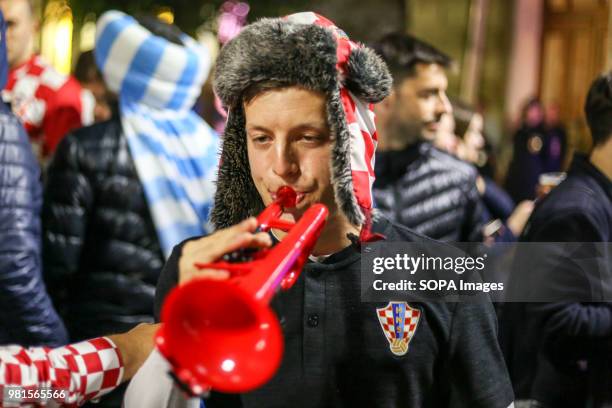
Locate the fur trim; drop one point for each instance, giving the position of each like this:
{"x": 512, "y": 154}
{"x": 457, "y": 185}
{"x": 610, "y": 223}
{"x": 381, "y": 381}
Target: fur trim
{"x": 342, "y": 179}
{"x": 274, "y": 49}
{"x": 368, "y": 75}
{"x": 236, "y": 197}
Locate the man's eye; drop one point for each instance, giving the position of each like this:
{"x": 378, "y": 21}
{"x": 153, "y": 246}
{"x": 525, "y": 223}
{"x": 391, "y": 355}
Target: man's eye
{"x": 261, "y": 139}
{"x": 311, "y": 138}
{"x": 428, "y": 94}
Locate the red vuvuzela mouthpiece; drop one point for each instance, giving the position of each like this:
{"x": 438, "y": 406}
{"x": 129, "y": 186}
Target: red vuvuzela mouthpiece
{"x": 286, "y": 197}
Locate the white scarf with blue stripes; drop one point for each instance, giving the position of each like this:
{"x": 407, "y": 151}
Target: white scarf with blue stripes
{"x": 175, "y": 152}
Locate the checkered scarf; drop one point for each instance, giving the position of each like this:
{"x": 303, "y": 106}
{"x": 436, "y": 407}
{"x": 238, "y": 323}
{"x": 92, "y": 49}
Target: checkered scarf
{"x": 174, "y": 150}
{"x": 65, "y": 376}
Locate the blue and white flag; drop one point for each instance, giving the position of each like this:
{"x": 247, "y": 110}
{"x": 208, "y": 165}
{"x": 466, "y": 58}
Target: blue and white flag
{"x": 175, "y": 152}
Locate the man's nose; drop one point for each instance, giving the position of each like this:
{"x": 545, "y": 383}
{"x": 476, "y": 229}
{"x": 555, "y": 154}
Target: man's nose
{"x": 443, "y": 104}
{"x": 284, "y": 163}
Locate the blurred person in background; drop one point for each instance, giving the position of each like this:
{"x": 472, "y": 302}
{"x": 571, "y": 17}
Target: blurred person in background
{"x": 555, "y": 146}
{"x": 469, "y": 127}
{"x": 49, "y": 103}
{"x": 445, "y": 139}
{"x": 90, "y": 78}
{"x": 232, "y": 17}
{"x": 560, "y": 354}
{"x": 471, "y": 147}
{"x": 528, "y": 156}
{"x": 416, "y": 184}
{"x": 121, "y": 193}
{"x": 27, "y": 316}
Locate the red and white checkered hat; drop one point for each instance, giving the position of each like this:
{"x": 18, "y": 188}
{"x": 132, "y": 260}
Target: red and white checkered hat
{"x": 307, "y": 50}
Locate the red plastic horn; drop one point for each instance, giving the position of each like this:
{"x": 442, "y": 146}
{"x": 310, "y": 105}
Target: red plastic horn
{"x": 222, "y": 334}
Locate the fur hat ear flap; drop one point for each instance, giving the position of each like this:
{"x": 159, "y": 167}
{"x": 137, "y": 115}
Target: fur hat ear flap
{"x": 236, "y": 197}
{"x": 368, "y": 76}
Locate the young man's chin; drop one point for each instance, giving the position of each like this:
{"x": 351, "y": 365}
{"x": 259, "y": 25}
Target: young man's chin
{"x": 428, "y": 135}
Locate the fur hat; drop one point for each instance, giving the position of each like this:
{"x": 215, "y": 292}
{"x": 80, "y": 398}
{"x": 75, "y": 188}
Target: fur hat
{"x": 307, "y": 50}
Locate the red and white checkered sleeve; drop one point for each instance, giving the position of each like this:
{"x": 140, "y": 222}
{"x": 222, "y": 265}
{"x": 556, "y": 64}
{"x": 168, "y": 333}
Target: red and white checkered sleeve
{"x": 85, "y": 371}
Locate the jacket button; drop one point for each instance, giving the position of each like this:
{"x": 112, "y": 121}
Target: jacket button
{"x": 313, "y": 320}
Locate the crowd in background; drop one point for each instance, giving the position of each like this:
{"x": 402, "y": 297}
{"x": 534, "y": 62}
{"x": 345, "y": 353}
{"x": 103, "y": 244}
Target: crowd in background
{"x": 80, "y": 255}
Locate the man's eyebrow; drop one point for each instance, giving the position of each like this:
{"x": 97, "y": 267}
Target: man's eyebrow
{"x": 318, "y": 126}
{"x": 257, "y": 128}
{"x": 429, "y": 90}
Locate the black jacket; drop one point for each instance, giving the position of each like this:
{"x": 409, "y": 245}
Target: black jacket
{"x": 101, "y": 253}
{"x": 27, "y": 316}
{"x": 337, "y": 355}
{"x": 561, "y": 353}
{"x": 430, "y": 192}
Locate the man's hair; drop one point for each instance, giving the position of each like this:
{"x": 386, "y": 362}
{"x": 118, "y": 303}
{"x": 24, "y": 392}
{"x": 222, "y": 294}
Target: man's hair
{"x": 260, "y": 87}
{"x": 598, "y": 109}
{"x": 161, "y": 29}
{"x": 86, "y": 69}
{"x": 463, "y": 115}
{"x": 402, "y": 52}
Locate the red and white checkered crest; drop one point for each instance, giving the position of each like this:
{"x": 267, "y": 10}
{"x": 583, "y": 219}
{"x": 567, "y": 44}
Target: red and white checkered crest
{"x": 399, "y": 323}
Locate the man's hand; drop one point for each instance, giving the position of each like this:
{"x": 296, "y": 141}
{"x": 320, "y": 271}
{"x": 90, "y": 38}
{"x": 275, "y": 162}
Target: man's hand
{"x": 135, "y": 346}
{"x": 214, "y": 246}
{"x": 519, "y": 217}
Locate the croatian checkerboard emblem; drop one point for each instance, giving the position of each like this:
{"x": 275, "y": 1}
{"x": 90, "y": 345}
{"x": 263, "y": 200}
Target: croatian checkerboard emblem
{"x": 399, "y": 323}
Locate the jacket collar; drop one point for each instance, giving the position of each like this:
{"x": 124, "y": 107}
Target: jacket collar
{"x": 392, "y": 165}
{"x": 582, "y": 166}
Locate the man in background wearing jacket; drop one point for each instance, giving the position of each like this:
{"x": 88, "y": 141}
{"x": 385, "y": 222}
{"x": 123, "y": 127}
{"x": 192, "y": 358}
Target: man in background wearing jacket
{"x": 560, "y": 354}
{"x": 27, "y": 317}
{"x": 417, "y": 185}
